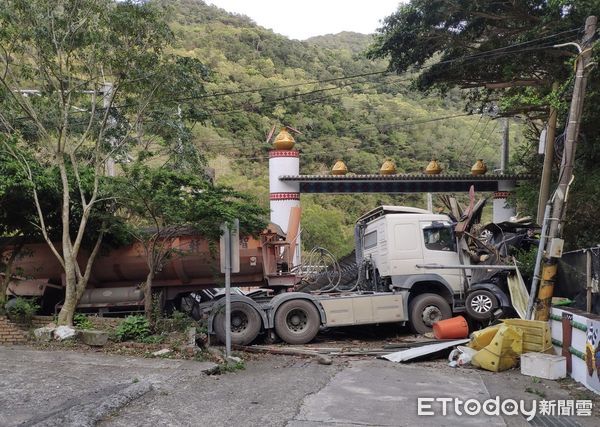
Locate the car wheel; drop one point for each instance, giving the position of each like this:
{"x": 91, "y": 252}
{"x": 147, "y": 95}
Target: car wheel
{"x": 481, "y": 304}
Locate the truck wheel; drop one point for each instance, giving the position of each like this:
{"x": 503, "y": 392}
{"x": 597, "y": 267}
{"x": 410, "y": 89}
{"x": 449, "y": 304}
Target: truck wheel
{"x": 481, "y": 304}
{"x": 245, "y": 324}
{"x": 297, "y": 321}
{"x": 425, "y": 310}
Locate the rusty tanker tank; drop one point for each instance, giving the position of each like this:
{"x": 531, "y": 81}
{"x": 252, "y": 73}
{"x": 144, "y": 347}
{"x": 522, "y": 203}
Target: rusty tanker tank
{"x": 118, "y": 274}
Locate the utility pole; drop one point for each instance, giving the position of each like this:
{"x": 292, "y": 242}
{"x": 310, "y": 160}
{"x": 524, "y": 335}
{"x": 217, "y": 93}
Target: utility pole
{"x": 504, "y": 155}
{"x": 548, "y": 159}
{"x": 557, "y": 213}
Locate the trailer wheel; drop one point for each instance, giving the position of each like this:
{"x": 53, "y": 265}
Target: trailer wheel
{"x": 245, "y": 324}
{"x": 425, "y": 310}
{"x": 297, "y": 321}
{"x": 481, "y": 304}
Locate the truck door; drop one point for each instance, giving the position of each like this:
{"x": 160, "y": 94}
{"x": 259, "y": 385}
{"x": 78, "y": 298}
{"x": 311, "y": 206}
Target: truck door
{"x": 439, "y": 247}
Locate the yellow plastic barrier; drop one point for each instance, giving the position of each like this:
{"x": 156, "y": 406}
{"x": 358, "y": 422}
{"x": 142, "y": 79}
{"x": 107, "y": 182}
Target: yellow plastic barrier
{"x": 503, "y": 351}
{"x": 482, "y": 338}
{"x": 536, "y": 334}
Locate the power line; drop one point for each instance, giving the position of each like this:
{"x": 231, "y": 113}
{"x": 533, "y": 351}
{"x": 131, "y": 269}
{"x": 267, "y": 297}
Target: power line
{"x": 483, "y": 141}
{"x": 469, "y": 138}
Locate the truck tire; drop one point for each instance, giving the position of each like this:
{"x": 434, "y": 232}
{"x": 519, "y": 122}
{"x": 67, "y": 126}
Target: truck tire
{"x": 481, "y": 304}
{"x": 245, "y": 324}
{"x": 297, "y": 321}
{"x": 425, "y": 310}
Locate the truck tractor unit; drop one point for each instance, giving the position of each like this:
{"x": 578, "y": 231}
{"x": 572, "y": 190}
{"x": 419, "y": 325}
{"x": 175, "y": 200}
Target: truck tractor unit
{"x": 409, "y": 269}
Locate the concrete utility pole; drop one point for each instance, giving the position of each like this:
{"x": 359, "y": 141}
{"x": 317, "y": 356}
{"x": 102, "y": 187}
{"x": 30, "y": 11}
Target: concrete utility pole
{"x": 559, "y": 205}
{"x": 548, "y": 159}
{"x": 504, "y": 156}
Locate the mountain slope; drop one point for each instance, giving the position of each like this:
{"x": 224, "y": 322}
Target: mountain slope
{"x": 362, "y": 120}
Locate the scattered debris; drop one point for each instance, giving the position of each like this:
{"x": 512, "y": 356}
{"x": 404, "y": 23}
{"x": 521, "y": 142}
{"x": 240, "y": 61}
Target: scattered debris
{"x": 413, "y": 353}
{"x": 191, "y": 337}
{"x": 323, "y": 360}
{"x": 234, "y": 359}
{"x": 453, "y": 328}
{"x": 461, "y": 356}
{"x": 519, "y": 295}
{"x": 162, "y": 352}
{"x": 43, "y": 334}
{"x": 547, "y": 366}
{"x": 64, "y": 332}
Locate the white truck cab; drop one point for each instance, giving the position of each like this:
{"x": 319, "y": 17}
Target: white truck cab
{"x": 399, "y": 242}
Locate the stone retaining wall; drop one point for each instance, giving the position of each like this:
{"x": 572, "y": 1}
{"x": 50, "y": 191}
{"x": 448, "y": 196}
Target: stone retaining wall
{"x": 10, "y": 333}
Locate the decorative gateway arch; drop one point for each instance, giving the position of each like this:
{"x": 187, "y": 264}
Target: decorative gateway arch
{"x": 286, "y": 184}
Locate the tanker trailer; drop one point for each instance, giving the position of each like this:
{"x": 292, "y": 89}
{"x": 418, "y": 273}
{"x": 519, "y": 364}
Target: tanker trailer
{"x": 118, "y": 274}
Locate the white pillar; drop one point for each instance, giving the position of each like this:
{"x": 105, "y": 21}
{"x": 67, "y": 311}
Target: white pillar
{"x": 501, "y": 211}
{"x": 283, "y": 195}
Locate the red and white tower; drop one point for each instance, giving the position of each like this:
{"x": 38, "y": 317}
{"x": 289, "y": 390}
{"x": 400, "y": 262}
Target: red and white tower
{"x": 284, "y": 160}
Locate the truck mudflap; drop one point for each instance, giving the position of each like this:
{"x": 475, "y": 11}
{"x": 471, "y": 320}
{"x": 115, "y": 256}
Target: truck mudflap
{"x": 220, "y": 304}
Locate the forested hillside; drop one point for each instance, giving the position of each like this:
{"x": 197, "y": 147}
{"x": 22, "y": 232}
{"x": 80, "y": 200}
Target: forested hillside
{"x": 260, "y": 79}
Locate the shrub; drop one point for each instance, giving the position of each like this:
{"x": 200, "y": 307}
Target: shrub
{"x": 181, "y": 321}
{"x": 177, "y": 322}
{"x": 153, "y": 339}
{"x": 22, "y": 310}
{"x": 133, "y": 328}
{"x": 81, "y": 321}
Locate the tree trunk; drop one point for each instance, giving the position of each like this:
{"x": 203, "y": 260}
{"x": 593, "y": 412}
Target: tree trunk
{"x": 8, "y": 264}
{"x": 67, "y": 311}
{"x": 148, "y": 295}
{"x": 3, "y": 287}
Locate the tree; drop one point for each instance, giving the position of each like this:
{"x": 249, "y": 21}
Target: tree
{"x": 84, "y": 83}
{"x": 162, "y": 204}
{"x": 503, "y": 53}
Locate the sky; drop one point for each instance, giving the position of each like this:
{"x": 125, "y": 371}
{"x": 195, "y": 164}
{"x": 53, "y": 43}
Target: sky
{"x": 301, "y": 19}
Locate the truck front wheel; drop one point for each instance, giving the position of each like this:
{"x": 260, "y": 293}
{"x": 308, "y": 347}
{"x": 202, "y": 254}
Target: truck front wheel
{"x": 297, "y": 321}
{"x": 425, "y": 310}
{"x": 245, "y": 324}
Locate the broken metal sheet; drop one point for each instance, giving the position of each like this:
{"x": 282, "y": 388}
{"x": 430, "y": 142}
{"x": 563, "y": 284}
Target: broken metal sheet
{"x": 413, "y": 353}
{"x": 519, "y": 295}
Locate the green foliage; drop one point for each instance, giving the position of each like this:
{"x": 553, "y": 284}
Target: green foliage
{"x": 226, "y": 367}
{"x": 152, "y": 339}
{"x": 177, "y": 322}
{"x": 325, "y": 228}
{"x": 526, "y": 262}
{"x": 440, "y": 35}
{"x": 22, "y": 310}
{"x": 81, "y": 321}
{"x": 133, "y": 328}
{"x": 181, "y": 321}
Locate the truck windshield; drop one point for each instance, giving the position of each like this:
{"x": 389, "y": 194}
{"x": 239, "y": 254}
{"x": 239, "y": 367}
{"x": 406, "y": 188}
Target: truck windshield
{"x": 439, "y": 237}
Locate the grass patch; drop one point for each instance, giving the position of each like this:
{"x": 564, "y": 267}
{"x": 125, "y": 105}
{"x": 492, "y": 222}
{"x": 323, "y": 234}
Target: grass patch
{"x": 536, "y": 392}
{"x": 226, "y": 367}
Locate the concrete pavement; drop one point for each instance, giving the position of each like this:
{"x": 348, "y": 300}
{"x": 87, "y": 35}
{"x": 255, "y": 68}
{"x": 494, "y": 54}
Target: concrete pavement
{"x": 40, "y": 387}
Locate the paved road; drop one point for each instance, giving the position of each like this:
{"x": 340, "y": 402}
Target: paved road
{"x": 37, "y": 385}
{"x": 271, "y": 391}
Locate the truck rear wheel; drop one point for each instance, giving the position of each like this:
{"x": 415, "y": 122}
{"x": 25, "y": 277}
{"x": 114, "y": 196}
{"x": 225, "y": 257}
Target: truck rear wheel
{"x": 245, "y": 324}
{"x": 425, "y": 310}
{"x": 297, "y": 321}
